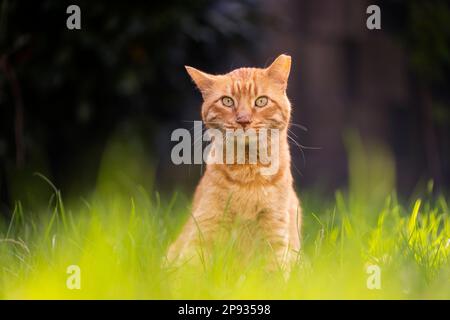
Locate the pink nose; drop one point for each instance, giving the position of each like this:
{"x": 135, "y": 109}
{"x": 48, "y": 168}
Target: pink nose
{"x": 244, "y": 118}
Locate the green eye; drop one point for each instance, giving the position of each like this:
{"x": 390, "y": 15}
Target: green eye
{"x": 261, "y": 102}
{"x": 227, "y": 102}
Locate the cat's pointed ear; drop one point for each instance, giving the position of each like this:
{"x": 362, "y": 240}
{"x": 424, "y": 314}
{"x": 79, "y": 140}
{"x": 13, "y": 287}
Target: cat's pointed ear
{"x": 203, "y": 80}
{"x": 280, "y": 68}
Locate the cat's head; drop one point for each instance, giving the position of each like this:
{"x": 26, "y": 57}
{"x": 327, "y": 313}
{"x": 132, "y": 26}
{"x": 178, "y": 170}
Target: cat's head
{"x": 247, "y": 97}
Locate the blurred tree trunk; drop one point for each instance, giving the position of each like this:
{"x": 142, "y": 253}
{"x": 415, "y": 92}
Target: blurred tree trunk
{"x": 431, "y": 142}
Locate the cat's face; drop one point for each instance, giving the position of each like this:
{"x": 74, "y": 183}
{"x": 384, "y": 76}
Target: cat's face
{"x": 246, "y": 98}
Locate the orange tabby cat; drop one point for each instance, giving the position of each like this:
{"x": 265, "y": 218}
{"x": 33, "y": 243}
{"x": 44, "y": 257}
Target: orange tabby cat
{"x": 245, "y": 98}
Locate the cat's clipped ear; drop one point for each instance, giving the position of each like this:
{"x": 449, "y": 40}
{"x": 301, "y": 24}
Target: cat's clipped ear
{"x": 280, "y": 68}
{"x": 203, "y": 80}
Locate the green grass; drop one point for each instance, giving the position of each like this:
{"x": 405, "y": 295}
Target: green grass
{"x": 119, "y": 234}
{"x": 119, "y": 244}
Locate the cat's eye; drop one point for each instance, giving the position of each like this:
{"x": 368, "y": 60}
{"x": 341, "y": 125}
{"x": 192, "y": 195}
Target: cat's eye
{"x": 227, "y": 101}
{"x": 261, "y": 102}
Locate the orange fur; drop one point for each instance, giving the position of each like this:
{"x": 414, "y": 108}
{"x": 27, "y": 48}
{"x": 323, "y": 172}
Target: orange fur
{"x": 230, "y": 191}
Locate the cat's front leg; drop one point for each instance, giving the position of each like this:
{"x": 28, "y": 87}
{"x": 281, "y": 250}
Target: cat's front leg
{"x": 195, "y": 238}
{"x": 275, "y": 228}
{"x": 177, "y": 250}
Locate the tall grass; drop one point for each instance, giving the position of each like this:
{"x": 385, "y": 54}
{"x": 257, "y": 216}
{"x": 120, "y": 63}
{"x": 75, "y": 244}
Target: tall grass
{"x": 118, "y": 237}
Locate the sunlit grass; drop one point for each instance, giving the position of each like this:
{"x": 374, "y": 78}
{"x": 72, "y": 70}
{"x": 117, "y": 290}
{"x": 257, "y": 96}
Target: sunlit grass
{"x": 118, "y": 237}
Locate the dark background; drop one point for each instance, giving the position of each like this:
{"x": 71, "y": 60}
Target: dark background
{"x": 64, "y": 93}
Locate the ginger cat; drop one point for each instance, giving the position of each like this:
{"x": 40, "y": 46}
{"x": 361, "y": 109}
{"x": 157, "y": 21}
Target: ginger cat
{"x": 246, "y": 98}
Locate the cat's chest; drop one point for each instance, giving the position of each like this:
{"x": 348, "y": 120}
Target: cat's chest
{"x": 247, "y": 202}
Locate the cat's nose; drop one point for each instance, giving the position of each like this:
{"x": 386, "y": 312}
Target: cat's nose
{"x": 244, "y": 118}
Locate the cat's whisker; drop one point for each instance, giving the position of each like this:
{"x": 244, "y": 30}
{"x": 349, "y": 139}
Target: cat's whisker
{"x": 297, "y": 169}
{"x": 310, "y": 148}
{"x": 203, "y": 129}
{"x": 300, "y": 148}
{"x": 298, "y": 126}
{"x": 198, "y": 139}
{"x": 201, "y": 121}
{"x": 291, "y": 132}
{"x": 301, "y": 145}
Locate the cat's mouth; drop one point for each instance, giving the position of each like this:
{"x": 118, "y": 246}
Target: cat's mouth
{"x": 231, "y": 127}
{"x": 247, "y": 136}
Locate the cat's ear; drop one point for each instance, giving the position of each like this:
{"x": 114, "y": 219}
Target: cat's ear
{"x": 279, "y": 69}
{"x": 203, "y": 80}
